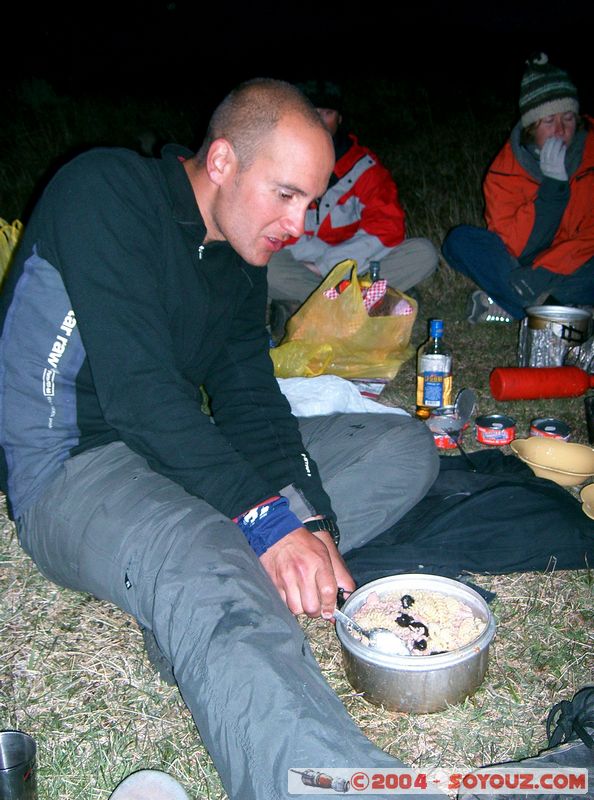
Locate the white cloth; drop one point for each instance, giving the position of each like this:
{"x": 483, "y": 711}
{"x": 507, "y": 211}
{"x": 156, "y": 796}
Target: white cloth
{"x": 329, "y": 394}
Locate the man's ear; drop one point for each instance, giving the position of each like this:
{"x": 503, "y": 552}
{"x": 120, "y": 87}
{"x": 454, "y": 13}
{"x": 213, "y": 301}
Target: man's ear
{"x": 221, "y": 161}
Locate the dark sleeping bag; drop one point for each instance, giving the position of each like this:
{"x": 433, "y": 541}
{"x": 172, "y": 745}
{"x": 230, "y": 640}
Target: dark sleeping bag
{"x": 499, "y": 519}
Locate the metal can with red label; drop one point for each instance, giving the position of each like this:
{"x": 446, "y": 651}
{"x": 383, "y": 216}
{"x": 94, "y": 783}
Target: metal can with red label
{"x": 495, "y": 429}
{"x": 550, "y": 428}
{"x": 435, "y": 424}
{"x": 444, "y": 442}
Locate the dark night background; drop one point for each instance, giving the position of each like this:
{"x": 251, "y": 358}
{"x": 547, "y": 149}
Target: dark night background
{"x": 191, "y": 53}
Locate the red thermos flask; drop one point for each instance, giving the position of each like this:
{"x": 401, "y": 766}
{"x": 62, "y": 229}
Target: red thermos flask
{"x": 534, "y": 383}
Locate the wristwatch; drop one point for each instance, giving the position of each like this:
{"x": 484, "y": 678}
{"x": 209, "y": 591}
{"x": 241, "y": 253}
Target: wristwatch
{"x": 324, "y": 524}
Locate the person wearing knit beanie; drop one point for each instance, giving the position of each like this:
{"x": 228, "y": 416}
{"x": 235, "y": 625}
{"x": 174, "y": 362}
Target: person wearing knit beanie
{"x": 538, "y": 247}
{"x": 545, "y": 91}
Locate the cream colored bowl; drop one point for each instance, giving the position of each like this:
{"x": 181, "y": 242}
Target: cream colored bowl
{"x": 566, "y": 463}
{"x": 587, "y": 498}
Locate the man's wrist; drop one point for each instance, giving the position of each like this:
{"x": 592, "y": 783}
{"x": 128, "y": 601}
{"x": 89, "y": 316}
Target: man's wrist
{"x": 267, "y": 523}
{"x": 324, "y": 525}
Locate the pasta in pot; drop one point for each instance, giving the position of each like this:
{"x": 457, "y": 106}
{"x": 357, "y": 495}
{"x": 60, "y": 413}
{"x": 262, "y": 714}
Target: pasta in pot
{"x": 428, "y": 622}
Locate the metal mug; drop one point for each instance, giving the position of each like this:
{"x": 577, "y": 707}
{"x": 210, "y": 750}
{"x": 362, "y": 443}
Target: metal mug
{"x": 547, "y": 333}
{"x": 18, "y": 768}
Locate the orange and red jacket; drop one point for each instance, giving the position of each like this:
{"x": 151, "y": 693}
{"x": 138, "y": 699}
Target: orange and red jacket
{"x": 510, "y": 193}
{"x": 359, "y": 216}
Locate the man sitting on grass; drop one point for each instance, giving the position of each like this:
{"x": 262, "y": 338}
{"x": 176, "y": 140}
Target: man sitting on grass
{"x": 137, "y": 282}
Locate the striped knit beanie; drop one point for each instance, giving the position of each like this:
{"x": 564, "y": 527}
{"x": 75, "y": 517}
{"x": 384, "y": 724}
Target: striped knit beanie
{"x": 545, "y": 90}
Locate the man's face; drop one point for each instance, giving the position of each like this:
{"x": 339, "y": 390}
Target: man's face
{"x": 560, "y": 126}
{"x": 258, "y": 209}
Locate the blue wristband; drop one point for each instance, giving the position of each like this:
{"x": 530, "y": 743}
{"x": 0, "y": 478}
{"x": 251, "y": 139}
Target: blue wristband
{"x": 265, "y": 525}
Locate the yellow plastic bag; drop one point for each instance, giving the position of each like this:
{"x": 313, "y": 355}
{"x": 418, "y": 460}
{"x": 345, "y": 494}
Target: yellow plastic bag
{"x": 338, "y": 337}
{"x": 9, "y": 236}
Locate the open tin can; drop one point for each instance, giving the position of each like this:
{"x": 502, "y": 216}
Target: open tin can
{"x": 442, "y": 439}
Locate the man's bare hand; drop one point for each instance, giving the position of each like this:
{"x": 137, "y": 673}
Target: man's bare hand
{"x": 307, "y": 570}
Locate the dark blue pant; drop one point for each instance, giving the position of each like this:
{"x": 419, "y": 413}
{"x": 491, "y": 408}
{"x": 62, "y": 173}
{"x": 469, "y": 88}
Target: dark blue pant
{"x": 481, "y": 255}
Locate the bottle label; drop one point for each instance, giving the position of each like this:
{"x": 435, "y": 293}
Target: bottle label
{"x": 434, "y": 385}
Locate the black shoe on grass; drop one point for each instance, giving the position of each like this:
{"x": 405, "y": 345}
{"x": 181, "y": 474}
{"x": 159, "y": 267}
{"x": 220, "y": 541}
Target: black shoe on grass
{"x": 570, "y": 733}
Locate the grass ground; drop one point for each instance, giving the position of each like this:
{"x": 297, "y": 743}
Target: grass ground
{"x": 72, "y": 669}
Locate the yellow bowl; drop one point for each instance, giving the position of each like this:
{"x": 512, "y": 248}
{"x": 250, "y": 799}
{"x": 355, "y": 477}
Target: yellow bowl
{"x": 566, "y": 463}
{"x": 587, "y": 498}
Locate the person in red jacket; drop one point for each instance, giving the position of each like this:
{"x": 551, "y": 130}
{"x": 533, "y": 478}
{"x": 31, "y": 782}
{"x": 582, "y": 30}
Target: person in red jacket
{"x": 359, "y": 217}
{"x": 539, "y": 207}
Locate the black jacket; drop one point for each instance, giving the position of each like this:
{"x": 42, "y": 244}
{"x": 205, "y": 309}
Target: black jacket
{"x": 114, "y": 314}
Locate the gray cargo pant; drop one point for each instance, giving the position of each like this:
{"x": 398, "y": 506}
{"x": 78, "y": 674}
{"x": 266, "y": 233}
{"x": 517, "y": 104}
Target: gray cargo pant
{"x": 405, "y": 266}
{"x": 110, "y": 526}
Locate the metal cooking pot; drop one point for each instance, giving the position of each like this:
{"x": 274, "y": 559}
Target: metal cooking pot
{"x": 417, "y": 684}
{"x": 548, "y": 332}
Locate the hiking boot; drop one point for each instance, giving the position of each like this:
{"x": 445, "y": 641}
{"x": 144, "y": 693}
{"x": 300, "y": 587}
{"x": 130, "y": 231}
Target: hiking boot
{"x": 482, "y": 308}
{"x": 570, "y": 732}
{"x": 571, "y": 720}
{"x": 149, "y": 784}
{"x": 156, "y": 657}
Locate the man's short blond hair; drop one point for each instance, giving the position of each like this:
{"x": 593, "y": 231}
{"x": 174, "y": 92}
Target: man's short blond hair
{"x": 250, "y": 112}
